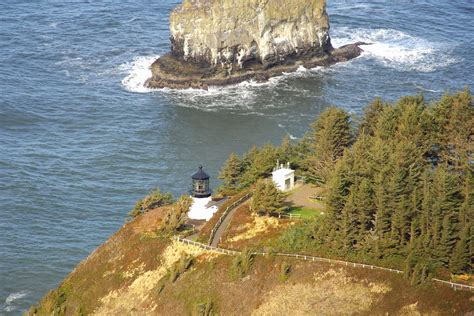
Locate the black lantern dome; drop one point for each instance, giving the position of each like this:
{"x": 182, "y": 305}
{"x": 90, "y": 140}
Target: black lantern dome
{"x": 201, "y": 187}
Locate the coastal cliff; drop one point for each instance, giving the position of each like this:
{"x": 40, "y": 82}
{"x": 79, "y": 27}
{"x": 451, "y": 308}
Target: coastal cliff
{"x": 218, "y": 42}
{"x": 140, "y": 272}
{"x": 229, "y": 33}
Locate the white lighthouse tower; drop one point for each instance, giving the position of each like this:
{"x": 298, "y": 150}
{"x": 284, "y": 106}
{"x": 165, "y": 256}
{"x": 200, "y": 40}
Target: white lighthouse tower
{"x": 201, "y": 195}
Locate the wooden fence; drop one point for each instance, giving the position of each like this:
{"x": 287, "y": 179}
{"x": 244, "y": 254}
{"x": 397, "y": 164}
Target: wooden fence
{"x": 456, "y": 286}
{"x": 290, "y": 216}
{"x": 207, "y": 247}
{"x": 224, "y": 215}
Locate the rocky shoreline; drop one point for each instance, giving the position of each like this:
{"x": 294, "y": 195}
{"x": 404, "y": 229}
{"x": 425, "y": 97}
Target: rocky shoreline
{"x": 171, "y": 71}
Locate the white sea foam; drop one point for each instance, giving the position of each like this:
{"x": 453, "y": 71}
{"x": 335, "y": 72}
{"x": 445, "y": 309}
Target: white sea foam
{"x": 138, "y": 72}
{"x": 396, "y": 49}
{"x": 15, "y": 296}
{"x": 9, "y": 304}
{"x": 391, "y": 48}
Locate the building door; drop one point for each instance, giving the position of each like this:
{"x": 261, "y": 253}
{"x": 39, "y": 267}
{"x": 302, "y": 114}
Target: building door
{"x": 287, "y": 184}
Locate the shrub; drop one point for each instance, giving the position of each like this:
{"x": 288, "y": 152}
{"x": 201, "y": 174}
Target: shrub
{"x": 175, "y": 216}
{"x": 205, "y": 308}
{"x": 181, "y": 266}
{"x": 242, "y": 264}
{"x": 153, "y": 200}
{"x": 285, "y": 270}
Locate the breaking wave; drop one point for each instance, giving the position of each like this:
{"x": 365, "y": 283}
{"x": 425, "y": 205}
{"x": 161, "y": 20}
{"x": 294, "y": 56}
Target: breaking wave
{"x": 391, "y": 48}
{"x": 396, "y": 49}
{"x": 138, "y": 72}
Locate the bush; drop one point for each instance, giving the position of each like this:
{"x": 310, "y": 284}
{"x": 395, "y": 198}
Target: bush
{"x": 296, "y": 239}
{"x": 153, "y": 200}
{"x": 181, "y": 266}
{"x": 176, "y": 215}
{"x": 205, "y": 308}
{"x": 285, "y": 270}
{"x": 242, "y": 264}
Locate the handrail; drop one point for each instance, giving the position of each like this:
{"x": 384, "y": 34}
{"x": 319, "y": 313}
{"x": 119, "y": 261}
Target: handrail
{"x": 456, "y": 285}
{"x": 224, "y": 215}
{"x": 313, "y": 259}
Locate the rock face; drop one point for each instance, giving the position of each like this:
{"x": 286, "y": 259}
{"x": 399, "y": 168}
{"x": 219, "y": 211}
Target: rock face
{"x": 236, "y": 33}
{"x": 218, "y": 42}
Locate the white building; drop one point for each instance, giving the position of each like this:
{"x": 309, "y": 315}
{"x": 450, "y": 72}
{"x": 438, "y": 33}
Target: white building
{"x": 202, "y": 208}
{"x": 284, "y": 177}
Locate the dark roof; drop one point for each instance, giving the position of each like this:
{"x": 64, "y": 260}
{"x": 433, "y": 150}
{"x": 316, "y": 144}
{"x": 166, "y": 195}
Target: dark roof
{"x": 200, "y": 175}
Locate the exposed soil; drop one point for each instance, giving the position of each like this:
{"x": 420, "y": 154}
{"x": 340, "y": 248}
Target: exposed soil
{"x": 173, "y": 72}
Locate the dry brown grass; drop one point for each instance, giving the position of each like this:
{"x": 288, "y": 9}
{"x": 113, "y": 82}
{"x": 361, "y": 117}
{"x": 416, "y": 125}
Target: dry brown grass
{"x": 259, "y": 225}
{"x": 135, "y": 297}
{"x": 247, "y": 230}
{"x": 333, "y": 292}
{"x": 123, "y": 277}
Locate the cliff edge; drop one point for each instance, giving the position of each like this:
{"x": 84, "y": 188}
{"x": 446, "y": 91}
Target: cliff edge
{"x": 219, "y": 42}
{"x": 140, "y": 272}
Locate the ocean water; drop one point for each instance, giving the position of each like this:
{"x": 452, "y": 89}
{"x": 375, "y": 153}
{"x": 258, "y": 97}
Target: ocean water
{"x": 81, "y": 139}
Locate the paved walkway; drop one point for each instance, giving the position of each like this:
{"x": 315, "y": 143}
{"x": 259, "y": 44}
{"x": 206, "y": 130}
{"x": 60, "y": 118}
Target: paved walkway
{"x": 220, "y": 231}
{"x": 300, "y": 197}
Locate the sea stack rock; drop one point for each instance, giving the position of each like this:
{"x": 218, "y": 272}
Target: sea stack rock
{"x": 218, "y": 42}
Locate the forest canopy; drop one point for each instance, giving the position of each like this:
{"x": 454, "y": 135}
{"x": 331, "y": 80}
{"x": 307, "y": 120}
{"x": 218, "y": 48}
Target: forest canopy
{"x": 399, "y": 183}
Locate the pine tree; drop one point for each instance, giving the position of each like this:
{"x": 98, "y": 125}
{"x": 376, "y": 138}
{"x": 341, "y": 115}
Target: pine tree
{"x": 260, "y": 164}
{"x": 371, "y": 117}
{"x": 351, "y": 226}
{"x": 365, "y": 205}
{"x": 462, "y": 255}
{"x": 446, "y": 202}
{"x": 330, "y": 135}
{"x": 454, "y": 121}
{"x": 267, "y": 199}
{"x": 231, "y": 172}
{"x": 447, "y": 240}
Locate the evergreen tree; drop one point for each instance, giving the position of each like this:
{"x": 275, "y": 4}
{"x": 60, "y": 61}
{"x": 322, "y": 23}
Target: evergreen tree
{"x": 447, "y": 240}
{"x": 231, "y": 172}
{"x": 260, "y": 163}
{"x": 454, "y": 122}
{"x": 350, "y": 223}
{"x": 365, "y": 205}
{"x": 267, "y": 199}
{"x": 447, "y": 199}
{"x": 461, "y": 260}
{"x": 371, "y": 117}
{"x": 329, "y": 136}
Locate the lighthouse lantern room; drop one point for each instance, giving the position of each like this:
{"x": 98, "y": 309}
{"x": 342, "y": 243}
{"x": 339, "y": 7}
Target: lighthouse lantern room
{"x": 201, "y": 187}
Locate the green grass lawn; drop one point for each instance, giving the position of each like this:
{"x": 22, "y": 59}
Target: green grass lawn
{"x": 305, "y": 212}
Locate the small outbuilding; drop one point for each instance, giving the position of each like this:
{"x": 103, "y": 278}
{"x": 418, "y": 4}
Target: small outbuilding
{"x": 284, "y": 177}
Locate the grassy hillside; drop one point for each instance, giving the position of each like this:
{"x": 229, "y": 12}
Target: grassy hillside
{"x": 139, "y": 271}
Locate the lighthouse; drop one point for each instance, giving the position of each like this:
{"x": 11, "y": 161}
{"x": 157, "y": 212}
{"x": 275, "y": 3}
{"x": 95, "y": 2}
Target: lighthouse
{"x": 202, "y": 208}
{"x": 200, "y": 187}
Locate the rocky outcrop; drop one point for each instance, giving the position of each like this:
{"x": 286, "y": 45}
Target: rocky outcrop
{"x": 230, "y": 33}
{"x": 216, "y": 42}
